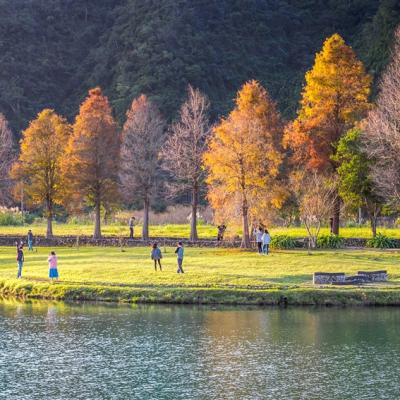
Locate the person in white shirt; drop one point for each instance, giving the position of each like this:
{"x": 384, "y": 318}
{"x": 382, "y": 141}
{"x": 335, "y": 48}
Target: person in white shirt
{"x": 258, "y": 233}
{"x": 266, "y": 240}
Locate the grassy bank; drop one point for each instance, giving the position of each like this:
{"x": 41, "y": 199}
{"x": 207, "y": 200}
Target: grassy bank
{"x": 229, "y": 276}
{"x": 180, "y": 231}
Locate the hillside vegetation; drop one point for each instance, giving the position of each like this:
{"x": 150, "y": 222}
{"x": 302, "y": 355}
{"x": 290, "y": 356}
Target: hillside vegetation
{"x": 52, "y": 51}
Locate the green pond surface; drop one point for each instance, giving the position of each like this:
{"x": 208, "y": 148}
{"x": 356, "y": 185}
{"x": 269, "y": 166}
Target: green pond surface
{"x": 91, "y": 351}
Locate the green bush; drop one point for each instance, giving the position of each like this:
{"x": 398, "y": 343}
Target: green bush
{"x": 10, "y": 217}
{"x": 283, "y": 242}
{"x": 381, "y": 241}
{"x": 330, "y": 242}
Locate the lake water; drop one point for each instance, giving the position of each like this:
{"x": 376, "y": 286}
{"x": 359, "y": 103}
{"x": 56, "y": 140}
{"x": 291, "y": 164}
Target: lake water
{"x": 85, "y": 351}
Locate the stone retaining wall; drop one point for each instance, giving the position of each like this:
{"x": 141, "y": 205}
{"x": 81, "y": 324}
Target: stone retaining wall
{"x": 324, "y": 278}
{"x": 374, "y": 276}
{"x": 114, "y": 241}
{"x": 9, "y": 240}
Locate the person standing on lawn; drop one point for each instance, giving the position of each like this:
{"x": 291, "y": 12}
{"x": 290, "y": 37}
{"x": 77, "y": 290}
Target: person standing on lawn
{"x": 131, "y": 226}
{"x": 179, "y": 254}
{"x": 156, "y": 256}
{"x": 20, "y": 259}
{"x": 266, "y": 240}
{"x": 30, "y": 240}
{"x": 258, "y": 233}
{"x": 221, "y": 231}
{"x": 53, "y": 271}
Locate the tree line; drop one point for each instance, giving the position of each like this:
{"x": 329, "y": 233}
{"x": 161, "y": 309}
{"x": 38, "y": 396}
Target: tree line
{"x": 340, "y": 150}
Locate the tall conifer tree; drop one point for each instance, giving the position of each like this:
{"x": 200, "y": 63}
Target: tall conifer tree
{"x": 334, "y": 98}
{"x": 39, "y": 165}
{"x": 92, "y": 156}
{"x": 244, "y": 156}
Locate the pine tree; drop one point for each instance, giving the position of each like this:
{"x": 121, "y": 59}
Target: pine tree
{"x": 92, "y": 157}
{"x": 244, "y": 156}
{"x": 39, "y": 165}
{"x": 356, "y": 187}
{"x": 334, "y": 98}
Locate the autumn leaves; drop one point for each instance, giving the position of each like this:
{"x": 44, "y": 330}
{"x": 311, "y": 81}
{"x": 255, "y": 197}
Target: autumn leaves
{"x": 246, "y": 159}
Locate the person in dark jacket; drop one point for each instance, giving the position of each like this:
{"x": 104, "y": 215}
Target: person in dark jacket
{"x": 30, "y": 240}
{"x": 221, "y": 232}
{"x": 20, "y": 259}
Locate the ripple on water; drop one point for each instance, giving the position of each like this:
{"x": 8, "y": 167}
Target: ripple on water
{"x": 50, "y": 351}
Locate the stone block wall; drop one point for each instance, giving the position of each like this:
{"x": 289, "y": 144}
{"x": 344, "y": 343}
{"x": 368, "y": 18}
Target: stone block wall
{"x": 325, "y": 278}
{"x": 374, "y": 276}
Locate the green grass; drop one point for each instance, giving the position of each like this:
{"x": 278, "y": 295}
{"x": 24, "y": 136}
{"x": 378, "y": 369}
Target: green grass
{"x": 180, "y": 231}
{"x": 168, "y": 230}
{"x": 212, "y": 276}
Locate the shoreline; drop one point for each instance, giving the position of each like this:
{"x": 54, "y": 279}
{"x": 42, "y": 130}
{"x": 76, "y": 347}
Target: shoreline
{"x": 321, "y": 296}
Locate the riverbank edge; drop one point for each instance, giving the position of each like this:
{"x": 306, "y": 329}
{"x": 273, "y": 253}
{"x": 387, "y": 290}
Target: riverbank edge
{"x": 325, "y": 296}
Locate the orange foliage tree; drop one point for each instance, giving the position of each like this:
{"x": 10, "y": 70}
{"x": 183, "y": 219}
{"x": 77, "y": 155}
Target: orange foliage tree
{"x": 334, "y": 98}
{"x": 39, "y": 165}
{"x": 244, "y": 157}
{"x": 92, "y": 157}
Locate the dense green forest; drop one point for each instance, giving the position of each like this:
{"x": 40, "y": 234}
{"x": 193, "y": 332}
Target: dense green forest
{"x": 52, "y": 51}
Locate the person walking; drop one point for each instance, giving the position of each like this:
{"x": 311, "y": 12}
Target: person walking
{"x": 221, "y": 231}
{"x": 30, "y": 240}
{"x": 179, "y": 255}
{"x": 156, "y": 256}
{"x": 20, "y": 259}
{"x": 53, "y": 271}
{"x": 131, "y": 226}
{"x": 266, "y": 240}
{"x": 258, "y": 233}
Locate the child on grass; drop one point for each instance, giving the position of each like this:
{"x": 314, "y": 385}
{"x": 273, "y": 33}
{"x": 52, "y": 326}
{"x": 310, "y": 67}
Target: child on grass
{"x": 179, "y": 254}
{"x": 156, "y": 256}
{"x": 53, "y": 271}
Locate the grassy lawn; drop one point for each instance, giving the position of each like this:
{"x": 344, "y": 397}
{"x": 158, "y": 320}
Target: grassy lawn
{"x": 218, "y": 275}
{"x": 168, "y": 230}
{"x": 179, "y": 231}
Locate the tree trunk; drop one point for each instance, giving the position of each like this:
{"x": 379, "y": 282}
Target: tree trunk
{"x": 49, "y": 212}
{"x": 246, "y": 236}
{"x": 193, "y": 220}
{"x": 145, "y": 227}
{"x": 97, "y": 228}
{"x": 336, "y": 216}
{"x": 49, "y": 231}
{"x": 373, "y": 220}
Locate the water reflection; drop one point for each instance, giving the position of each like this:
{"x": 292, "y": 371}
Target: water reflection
{"x": 101, "y": 351}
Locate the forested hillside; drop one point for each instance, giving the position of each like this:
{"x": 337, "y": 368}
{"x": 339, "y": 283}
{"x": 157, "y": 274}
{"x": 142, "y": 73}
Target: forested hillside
{"x": 52, "y": 51}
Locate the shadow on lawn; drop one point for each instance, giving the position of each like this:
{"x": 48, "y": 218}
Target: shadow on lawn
{"x": 291, "y": 279}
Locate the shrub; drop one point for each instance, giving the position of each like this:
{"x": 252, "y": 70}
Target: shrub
{"x": 381, "y": 241}
{"x": 10, "y": 217}
{"x": 330, "y": 242}
{"x": 283, "y": 242}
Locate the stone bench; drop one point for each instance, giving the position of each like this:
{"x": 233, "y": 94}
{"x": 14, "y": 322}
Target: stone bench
{"x": 374, "y": 276}
{"x": 324, "y": 278}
